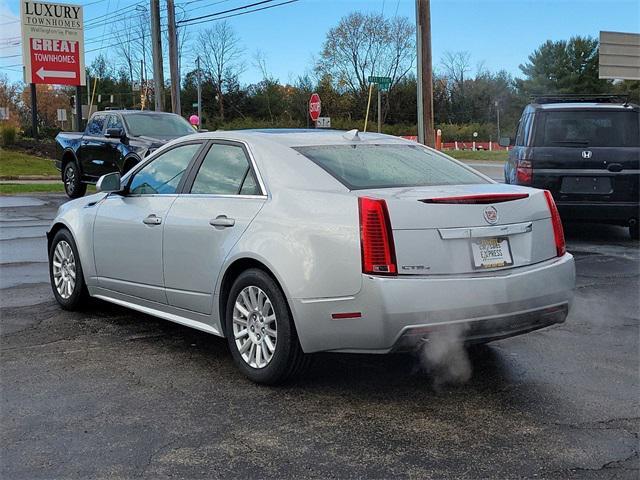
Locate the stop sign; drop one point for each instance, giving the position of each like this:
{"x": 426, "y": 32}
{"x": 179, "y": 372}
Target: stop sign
{"x": 314, "y": 106}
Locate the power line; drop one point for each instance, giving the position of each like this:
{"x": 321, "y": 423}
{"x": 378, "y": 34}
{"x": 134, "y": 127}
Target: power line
{"x": 189, "y": 20}
{"x": 244, "y": 13}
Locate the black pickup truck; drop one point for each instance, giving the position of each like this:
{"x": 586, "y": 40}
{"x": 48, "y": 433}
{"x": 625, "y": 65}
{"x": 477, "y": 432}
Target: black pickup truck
{"x": 586, "y": 151}
{"x": 114, "y": 140}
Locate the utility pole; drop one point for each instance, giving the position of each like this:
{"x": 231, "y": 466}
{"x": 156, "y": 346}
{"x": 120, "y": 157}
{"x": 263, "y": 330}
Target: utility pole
{"x": 199, "y": 77}
{"x": 156, "y": 43}
{"x": 173, "y": 57}
{"x": 34, "y": 111}
{"x": 79, "y": 108}
{"x": 143, "y": 92}
{"x": 498, "y": 117}
{"x": 425, "y": 73}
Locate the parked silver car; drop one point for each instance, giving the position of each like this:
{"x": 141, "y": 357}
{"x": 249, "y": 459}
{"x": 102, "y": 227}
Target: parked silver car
{"x": 288, "y": 242}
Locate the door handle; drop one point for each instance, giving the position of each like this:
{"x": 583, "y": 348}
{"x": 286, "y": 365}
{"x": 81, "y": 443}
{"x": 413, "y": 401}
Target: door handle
{"x": 152, "y": 220}
{"x": 222, "y": 221}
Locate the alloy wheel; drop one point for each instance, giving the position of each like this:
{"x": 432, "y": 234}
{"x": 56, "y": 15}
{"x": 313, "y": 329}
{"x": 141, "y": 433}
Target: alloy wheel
{"x": 255, "y": 327}
{"x": 64, "y": 269}
{"x": 69, "y": 179}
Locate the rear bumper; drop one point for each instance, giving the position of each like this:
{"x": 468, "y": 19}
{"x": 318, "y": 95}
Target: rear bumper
{"x": 399, "y": 312}
{"x": 618, "y": 213}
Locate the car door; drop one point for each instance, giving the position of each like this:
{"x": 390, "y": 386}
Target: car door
{"x": 128, "y": 227}
{"x": 93, "y": 147}
{"x": 222, "y": 196}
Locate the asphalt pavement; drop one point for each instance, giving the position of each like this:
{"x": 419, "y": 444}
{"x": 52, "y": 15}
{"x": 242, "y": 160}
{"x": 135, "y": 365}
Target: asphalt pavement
{"x": 111, "y": 393}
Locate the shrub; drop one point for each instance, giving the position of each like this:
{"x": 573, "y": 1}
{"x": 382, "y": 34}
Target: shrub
{"x": 8, "y": 134}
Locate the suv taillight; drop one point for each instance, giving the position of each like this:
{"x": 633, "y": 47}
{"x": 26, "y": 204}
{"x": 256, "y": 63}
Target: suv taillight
{"x": 558, "y": 232}
{"x": 376, "y": 238}
{"x": 524, "y": 172}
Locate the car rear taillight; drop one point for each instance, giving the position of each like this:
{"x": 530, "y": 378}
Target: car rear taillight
{"x": 524, "y": 172}
{"x": 558, "y": 231}
{"x": 376, "y": 238}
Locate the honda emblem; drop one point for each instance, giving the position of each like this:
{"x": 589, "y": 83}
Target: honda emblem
{"x": 586, "y": 154}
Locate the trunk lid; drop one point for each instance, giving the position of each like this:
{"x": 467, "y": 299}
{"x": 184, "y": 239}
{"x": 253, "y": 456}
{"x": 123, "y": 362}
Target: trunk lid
{"x": 449, "y": 229}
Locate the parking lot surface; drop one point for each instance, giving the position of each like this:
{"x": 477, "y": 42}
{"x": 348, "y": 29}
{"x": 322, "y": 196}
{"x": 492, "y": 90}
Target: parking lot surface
{"x": 111, "y": 393}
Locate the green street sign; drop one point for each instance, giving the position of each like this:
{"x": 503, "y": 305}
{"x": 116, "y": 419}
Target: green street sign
{"x": 379, "y": 80}
{"x": 194, "y": 105}
{"x": 383, "y": 83}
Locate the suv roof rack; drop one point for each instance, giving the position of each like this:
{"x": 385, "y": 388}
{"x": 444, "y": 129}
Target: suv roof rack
{"x": 580, "y": 97}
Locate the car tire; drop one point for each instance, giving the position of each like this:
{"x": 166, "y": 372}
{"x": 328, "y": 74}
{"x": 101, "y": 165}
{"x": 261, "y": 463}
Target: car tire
{"x": 71, "y": 177}
{"x": 262, "y": 338}
{"x": 65, "y": 272}
{"x": 634, "y": 231}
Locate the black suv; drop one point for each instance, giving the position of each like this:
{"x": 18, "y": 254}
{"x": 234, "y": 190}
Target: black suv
{"x": 586, "y": 151}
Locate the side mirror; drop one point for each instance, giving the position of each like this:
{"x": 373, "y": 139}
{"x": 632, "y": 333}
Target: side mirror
{"x": 114, "y": 133}
{"x": 504, "y": 141}
{"x": 109, "y": 183}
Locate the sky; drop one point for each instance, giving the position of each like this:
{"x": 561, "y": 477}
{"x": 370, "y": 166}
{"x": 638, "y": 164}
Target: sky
{"x": 500, "y": 34}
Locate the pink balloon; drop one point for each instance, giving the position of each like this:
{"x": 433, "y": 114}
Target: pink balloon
{"x": 194, "y": 120}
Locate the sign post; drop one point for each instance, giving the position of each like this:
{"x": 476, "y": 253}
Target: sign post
{"x": 383, "y": 84}
{"x": 52, "y": 46}
{"x": 315, "y": 107}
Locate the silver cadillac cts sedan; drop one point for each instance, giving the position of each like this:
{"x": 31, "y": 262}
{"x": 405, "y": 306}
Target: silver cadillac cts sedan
{"x": 288, "y": 242}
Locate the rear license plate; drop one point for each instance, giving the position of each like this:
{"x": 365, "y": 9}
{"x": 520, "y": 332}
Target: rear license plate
{"x": 491, "y": 253}
{"x": 586, "y": 185}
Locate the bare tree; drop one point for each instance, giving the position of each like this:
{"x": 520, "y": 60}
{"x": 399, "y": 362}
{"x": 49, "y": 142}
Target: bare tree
{"x": 221, "y": 53}
{"x": 133, "y": 44}
{"x": 456, "y": 65}
{"x": 367, "y": 44}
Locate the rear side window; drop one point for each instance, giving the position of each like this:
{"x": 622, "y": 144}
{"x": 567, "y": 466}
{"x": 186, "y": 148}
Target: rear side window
{"x": 386, "y": 166}
{"x": 225, "y": 170}
{"x": 524, "y": 130}
{"x": 96, "y": 125}
{"x": 591, "y": 128}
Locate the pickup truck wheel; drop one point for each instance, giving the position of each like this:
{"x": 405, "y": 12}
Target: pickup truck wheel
{"x": 73, "y": 185}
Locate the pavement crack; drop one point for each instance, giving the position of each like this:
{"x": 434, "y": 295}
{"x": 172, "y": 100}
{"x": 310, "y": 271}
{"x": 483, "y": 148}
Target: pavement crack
{"x": 618, "y": 464}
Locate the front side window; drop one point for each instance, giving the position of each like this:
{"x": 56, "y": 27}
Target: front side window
{"x": 96, "y": 125}
{"x": 225, "y": 170}
{"x": 114, "y": 122}
{"x": 387, "y": 166}
{"x": 162, "y": 175}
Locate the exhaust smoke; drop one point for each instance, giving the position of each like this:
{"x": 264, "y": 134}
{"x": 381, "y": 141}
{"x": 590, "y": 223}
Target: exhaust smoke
{"x": 444, "y": 357}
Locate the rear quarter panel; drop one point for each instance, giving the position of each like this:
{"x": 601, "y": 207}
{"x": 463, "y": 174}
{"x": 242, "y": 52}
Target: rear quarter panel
{"x": 307, "y": 233}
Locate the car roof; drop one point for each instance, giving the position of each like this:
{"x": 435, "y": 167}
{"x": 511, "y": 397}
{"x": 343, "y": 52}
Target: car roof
{"x": 292, "y": 137}
{"x": 584, "y": 106}
{"x": 129, "y": 112}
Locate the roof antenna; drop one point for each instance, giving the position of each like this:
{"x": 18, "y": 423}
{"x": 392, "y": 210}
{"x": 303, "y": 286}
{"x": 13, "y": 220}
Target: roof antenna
{"x": 352, "y": 135}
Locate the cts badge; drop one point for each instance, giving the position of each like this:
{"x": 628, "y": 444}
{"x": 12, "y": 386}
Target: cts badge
{"x": 491, "y": 214}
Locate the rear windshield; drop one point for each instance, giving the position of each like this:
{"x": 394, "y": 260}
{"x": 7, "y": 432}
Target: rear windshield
{"x": 157, "y": 126}
{"x": 591, "y": 129}
{"x": 386, "y": 166}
